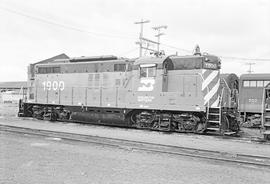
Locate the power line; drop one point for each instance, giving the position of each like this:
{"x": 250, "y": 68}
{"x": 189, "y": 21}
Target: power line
{"x": 179, "y": 49}
{"x": 244, "y": 59}
{"x": 114, "y": 35}
{"x": 129, "y": 51}
{"x": 63, "y": 25}
{"x": 224, "y": 57}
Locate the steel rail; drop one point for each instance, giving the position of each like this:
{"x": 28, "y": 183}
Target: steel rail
{"x": 245, "y": 159}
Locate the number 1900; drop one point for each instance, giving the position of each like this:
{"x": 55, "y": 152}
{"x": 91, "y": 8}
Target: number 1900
{"x": 53, "y": 85}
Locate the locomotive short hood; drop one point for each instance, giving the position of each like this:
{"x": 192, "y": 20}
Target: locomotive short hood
{"x": 182, "y": 62}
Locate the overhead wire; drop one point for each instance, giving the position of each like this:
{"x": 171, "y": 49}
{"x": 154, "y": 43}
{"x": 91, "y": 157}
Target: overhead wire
{"x": 114, "y": 35}
{"x": 64, "y": 25}
{"x": 223, "y": 57}
{"x": 244, "y": 59}
{"x": 129, "y": 51}
{"x": 177, "y": 48}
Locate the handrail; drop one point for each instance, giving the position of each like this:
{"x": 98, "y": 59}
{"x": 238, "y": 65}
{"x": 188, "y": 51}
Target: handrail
{"x": 263, "y": 107}
{"x": 221, "y": 98}
{"x": 227, "y": 85}
{"x": 127, "y": 79}
{"x": 220, "y": 103}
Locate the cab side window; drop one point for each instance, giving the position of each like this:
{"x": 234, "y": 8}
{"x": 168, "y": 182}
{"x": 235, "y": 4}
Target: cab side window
{"x": 259, "y": 83}
{"x": 245, "y": 83}
{"x": 252, "y": 84}
{"x": 148, "y": 71}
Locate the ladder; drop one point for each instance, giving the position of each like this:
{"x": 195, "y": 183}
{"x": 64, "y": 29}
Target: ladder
{"x": 214, "y": 115}
{"x": 214, "y": 119}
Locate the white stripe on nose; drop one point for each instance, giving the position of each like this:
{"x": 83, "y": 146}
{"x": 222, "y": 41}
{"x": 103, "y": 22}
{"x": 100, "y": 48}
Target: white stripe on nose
{"x": 215, "y": 104}
{"x": 212, "y": 92}
{"x": 209, "y": 79}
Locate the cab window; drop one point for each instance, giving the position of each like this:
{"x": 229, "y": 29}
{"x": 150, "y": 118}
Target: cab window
{"x": 148, "y": 71}
{"x": 259, "y": 83}
{"x": 46, "y": 70}
{"x": 252, "y": 84}
{"x": 119, "y": 67}
{"x": 245, "y": 83}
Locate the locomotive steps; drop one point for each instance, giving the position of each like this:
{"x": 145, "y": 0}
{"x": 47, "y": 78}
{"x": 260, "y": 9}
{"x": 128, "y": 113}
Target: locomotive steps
{"x": 203, "y": 147}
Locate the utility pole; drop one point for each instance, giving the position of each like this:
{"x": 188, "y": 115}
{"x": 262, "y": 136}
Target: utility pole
{"x": 250, "y": 64}
{"x": 158, "y": 28}
{"x": 141, "y": 34}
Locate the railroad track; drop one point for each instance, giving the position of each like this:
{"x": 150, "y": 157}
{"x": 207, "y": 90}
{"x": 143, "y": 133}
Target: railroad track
{"x": 255, "y": 160}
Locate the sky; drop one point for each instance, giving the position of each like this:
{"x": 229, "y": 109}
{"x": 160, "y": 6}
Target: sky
{"x": 238, "y": 31}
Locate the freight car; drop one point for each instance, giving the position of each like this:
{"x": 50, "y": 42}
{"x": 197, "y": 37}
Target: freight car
{"x": 166, "y": 93}
{"x": 250, "y": 101}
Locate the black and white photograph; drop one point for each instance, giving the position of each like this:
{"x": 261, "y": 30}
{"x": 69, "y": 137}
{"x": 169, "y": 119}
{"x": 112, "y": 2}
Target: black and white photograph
{"x": 135, "y": 92}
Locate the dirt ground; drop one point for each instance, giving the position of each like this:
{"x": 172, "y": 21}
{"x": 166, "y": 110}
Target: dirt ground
{"x": 32, "y": 159}
{"x": 10, "y": 110}
{"x": 251, "y": 132}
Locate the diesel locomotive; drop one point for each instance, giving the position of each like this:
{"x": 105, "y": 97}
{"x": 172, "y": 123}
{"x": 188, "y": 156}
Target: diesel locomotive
{"x": 254, "y": 101}
{"x": 166, "y": 93}
{"x": 251, "y": 99}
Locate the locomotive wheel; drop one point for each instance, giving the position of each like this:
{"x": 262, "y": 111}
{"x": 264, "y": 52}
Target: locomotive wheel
{"x": 225, "y": 124}
{"x": 151, "y": 120}
{"x": 38, "y": 112}
{"x": 200, "y": 127}
{"x": 187, "y": 123}
{"x": 266, "y": 137}
{"x": 64, "y": 115}
{"x": 233, "y": 124}
{"x": 143, "y": 119}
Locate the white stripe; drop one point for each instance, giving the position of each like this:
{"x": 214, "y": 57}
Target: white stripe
{"x": 209, "y": 79}
{"x": 203, "y": 71}
{"x": 211, "y": 93}
{"x": 215, "y": 104}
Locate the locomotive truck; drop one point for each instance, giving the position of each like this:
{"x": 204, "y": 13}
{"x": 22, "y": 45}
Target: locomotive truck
{"x": 165, "y": 93}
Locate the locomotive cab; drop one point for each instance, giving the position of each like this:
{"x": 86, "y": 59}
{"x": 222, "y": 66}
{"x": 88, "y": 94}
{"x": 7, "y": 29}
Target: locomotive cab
{"x": 186, "y": 86}
{"x": 153, "y": 69}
